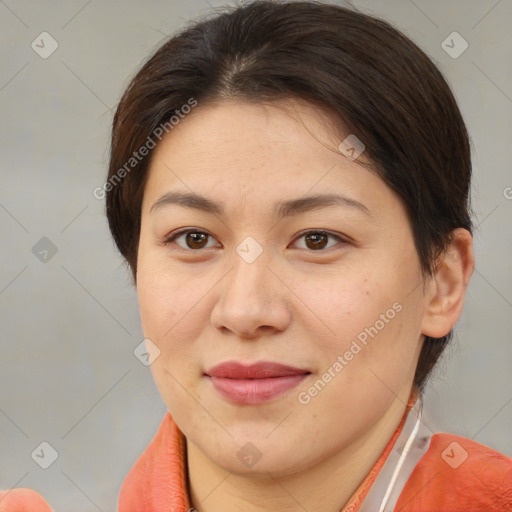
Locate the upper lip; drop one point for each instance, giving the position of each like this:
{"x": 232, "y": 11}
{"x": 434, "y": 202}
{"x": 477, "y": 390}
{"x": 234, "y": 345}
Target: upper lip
{"x": 261, "y": 370}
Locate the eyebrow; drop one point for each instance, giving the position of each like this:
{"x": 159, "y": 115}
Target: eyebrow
{"x": 281, "y": 209}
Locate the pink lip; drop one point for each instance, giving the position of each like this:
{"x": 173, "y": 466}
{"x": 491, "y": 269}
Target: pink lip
{"x": 256, "y": 383}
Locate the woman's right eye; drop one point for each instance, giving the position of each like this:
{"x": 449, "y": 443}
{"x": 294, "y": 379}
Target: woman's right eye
{"x": 193, "y": 239}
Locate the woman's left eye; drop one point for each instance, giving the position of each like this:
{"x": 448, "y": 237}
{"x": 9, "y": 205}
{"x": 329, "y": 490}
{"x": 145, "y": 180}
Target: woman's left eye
{"x": 316, "y": 240}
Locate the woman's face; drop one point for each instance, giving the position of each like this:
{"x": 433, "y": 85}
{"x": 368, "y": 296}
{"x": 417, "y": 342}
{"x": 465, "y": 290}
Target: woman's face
{"x": 254, "y": 281}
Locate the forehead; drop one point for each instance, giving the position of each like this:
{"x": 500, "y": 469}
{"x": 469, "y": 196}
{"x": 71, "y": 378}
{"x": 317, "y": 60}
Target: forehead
{"x": 277, "y": 126}
{"x": 260, "y": 152}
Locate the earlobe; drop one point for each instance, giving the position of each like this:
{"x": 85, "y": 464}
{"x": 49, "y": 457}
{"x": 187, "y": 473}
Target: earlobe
{"x": 448, "y": 286}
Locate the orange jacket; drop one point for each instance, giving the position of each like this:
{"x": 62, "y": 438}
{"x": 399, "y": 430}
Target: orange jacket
{"x": 483, "y": 483}
{"x": 157, "y": 481}
{"x": 23, "y": 500}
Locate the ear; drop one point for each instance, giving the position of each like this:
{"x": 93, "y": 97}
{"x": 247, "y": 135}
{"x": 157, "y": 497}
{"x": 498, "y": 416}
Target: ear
{"x": 447, "y": 288}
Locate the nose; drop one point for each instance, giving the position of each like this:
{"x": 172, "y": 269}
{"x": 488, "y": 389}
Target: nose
{"x": 252, "y": 299}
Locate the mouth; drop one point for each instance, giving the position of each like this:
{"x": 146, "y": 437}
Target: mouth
{"x": 256, "y": 383}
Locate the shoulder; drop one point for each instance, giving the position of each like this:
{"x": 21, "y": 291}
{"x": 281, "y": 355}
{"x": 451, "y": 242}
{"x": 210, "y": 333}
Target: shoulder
{"x": 23, "y": 500}
{"x": 459, "y": 474}
{"x": 154, "y": 469}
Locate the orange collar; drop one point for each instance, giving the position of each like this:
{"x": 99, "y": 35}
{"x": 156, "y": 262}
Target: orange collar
{"x": 159, "y": 480}
{"x": 364, "y": 487}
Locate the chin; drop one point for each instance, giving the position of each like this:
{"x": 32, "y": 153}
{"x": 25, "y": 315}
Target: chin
{"x": 257, "y": 455}
{"x": 277, "y": 463}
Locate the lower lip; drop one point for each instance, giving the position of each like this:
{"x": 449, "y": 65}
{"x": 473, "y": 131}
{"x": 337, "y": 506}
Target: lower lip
{"x": 255, "y": 391}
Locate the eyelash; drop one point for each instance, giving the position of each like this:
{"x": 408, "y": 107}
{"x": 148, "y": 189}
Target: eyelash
{"x": 169, "y": 240}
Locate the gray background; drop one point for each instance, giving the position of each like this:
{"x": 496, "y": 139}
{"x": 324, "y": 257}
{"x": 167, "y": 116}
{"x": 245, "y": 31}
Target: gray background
{"x": 68, "y": 374}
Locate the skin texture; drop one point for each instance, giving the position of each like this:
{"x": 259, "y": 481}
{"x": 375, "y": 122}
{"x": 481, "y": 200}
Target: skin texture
{"x": 202, "y": 304}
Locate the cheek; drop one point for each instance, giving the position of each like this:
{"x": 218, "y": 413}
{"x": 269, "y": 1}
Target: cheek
{"x": 167, "y": 317}
{"x": 165, "y": 293}
{"x": 347, "y": 302}
{"x": 167, "y": 311}
{"x": 369, "y": 317}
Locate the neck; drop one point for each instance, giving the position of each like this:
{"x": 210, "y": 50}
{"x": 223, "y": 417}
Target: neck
{"x": 326, "y": 486}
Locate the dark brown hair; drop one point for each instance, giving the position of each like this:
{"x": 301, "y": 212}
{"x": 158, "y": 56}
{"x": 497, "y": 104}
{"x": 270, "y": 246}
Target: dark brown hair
{"x": 366, "y": 73}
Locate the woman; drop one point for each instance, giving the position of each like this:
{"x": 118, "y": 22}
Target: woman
{"x": 289, "y": 185}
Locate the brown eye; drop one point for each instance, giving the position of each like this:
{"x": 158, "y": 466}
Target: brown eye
{"x": 318, "y": 240}
{"x": 315, "y": 241}
{"x": 193, "y": 239}
{"x": 196, "y": 240}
